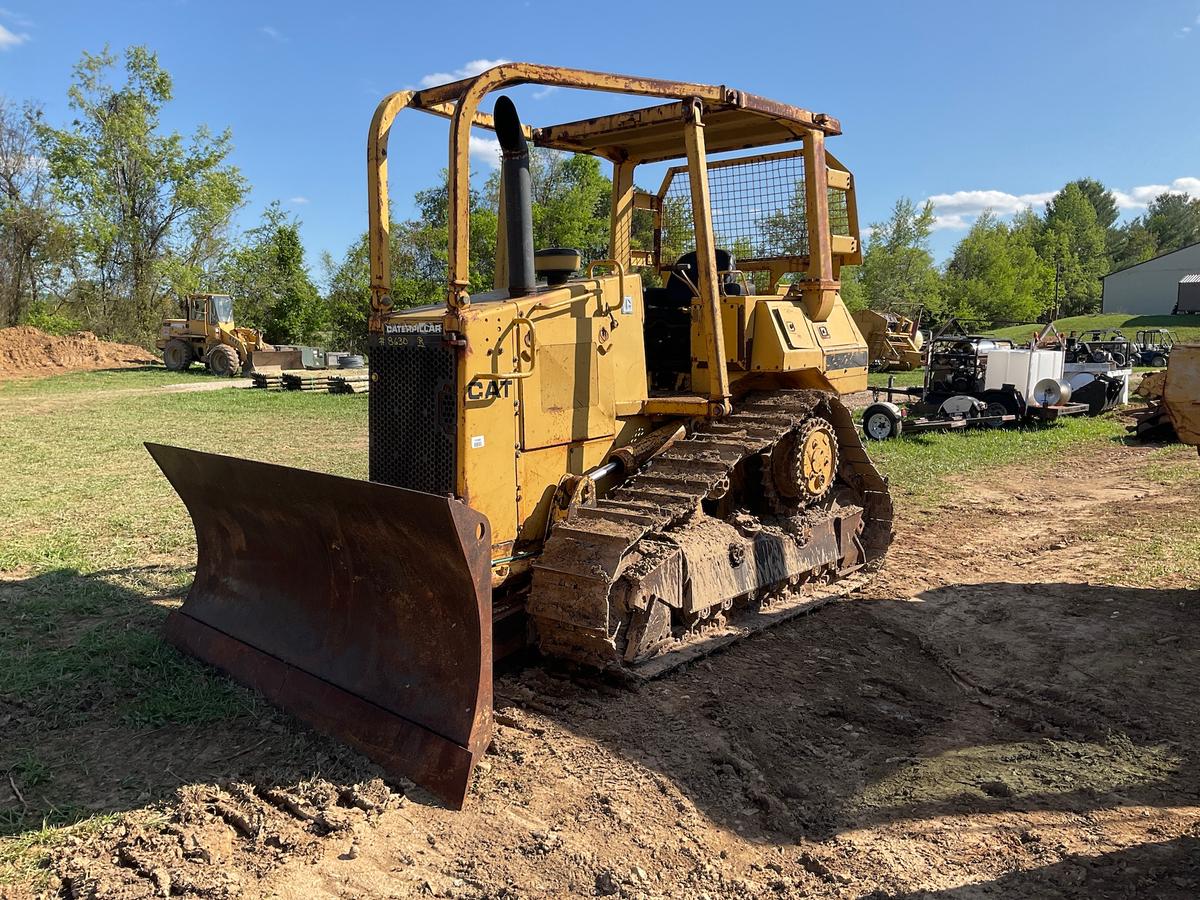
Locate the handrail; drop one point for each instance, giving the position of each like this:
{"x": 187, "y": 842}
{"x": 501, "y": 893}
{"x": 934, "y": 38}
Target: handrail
{"x": 518, "y": 373}
{"x": 591, "y": 269}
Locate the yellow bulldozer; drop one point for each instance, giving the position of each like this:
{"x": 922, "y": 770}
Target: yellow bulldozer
{"x": 207, "y": 334}
{"x": 894, "y": 342}
{"x": 628, "y": 461}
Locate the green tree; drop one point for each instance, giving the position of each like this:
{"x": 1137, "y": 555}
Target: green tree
{"x": 1074, "y": 242}
{"x": 570, "y": 198}
{"x": 149, "y": 209}
{"x": 852, "y": 288}
{"x": 1133, "y": 243}
{"x": 897, "y": 271}
{"x": 266, "y": 275}
{"x": 33, "y": 241}
{"x": 1103, "y": 201}
{"x": 1174, "y": 221}
{"x": 995, "y": 273}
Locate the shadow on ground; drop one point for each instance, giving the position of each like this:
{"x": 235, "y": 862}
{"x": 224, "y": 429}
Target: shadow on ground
{"x": 1166, "y": 871}
{"x": 99, "y": 715}
{"x": 972, "y": 698}
{"x": 981, "y": 698}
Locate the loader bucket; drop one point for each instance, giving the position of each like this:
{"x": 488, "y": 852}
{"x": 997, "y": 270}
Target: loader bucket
{"x": 262, "y": 360}
{"x": 364, "y": 609}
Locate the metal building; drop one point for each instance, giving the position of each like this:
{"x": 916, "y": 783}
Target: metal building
{"x": 1188, "y": 300}
{"x": 1151, "y": 288}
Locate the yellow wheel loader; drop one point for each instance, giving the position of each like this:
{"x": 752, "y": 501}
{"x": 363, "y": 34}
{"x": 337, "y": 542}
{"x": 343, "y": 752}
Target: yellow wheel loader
{"x": 629, "y": 461}
{"x": 207, "y": 334}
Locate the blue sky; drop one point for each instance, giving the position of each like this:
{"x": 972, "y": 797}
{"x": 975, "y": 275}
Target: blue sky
{"x": 970, "y": 104}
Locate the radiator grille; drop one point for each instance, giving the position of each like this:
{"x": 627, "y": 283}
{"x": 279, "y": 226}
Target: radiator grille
{"x": 413, "y": 416}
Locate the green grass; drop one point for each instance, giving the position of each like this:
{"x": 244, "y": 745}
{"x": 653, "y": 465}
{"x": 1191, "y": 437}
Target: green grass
{"x": 23, "y": 858}
{"x": 921, "y": 466}
{"x": 915, "y": 378}
{"x": 77, "y": 475}
{"x": 95, "y": 548}
{"x": 1186, "y": 328}
{"x": 100, "y": 380}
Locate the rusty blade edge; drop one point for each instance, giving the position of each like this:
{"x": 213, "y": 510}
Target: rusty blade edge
{"x": 402, "y": 747}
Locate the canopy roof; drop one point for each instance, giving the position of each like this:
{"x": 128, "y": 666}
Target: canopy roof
{"x": 734, "y": 120}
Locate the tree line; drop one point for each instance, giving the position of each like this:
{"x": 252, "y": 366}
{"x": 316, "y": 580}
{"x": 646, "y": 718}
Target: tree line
{"x": 107, "y": 219}
{"x": 1041, "y": 264}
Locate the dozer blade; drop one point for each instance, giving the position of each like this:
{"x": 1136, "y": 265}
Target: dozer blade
{"x": 364, "y": 609}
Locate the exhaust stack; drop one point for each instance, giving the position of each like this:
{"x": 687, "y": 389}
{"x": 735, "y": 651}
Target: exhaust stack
{"x": 518, "y": 199}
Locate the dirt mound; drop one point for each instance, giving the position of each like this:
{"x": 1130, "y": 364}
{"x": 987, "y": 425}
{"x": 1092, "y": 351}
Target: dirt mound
{"x": 26, "y": 351}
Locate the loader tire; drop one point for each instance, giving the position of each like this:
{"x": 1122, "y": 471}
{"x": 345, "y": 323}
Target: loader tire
{"x": 178, "y": 355}
{"x": 223, "y": 361}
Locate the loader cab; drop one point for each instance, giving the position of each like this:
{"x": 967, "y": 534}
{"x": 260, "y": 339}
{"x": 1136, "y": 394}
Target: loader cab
{"x": 205, "y": 312}
{"x": 220, "y": 309}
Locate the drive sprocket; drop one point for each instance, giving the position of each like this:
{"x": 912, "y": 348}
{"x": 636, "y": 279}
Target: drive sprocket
{"x": 802, "y": 467}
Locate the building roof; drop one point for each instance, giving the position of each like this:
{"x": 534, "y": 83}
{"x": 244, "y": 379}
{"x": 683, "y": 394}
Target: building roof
{"x": 1193, "y": 278}
{"x": 1152, "y": 259}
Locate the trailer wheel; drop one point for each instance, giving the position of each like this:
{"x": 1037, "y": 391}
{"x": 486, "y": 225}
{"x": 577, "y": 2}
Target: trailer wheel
{"x": 882, "y": 421}
{"x": 1001, "y": 403}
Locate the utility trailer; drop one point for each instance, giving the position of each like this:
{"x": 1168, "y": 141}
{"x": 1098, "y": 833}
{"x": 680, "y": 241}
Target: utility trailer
{"x": 974, "y": 381}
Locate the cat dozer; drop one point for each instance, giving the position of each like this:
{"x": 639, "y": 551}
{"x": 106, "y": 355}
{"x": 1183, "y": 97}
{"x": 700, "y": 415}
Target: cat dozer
{"x": 894, "y": 342}
{"x": 628, "y": 460}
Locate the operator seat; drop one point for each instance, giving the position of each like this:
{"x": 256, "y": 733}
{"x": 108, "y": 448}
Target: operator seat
{"x": 668, "y": 333}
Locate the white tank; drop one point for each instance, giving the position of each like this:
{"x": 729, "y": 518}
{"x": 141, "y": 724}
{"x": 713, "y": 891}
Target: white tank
{"x": 1023, "y": 369}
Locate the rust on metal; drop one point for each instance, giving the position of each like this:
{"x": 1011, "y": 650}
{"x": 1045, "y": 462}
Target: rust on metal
{"x": 733, "y": 119}
{"x": 606, "y": 569}
{"x": 364, "y": 609}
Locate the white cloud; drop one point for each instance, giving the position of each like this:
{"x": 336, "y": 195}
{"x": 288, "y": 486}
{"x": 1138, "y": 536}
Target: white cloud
{"x": 18, "y": 19}
{"x": 485, "y": 151}
{"x": 474, "y": 67}
{"x": 10, "y": 39}
{"x": 972, "y": 203}
{"x": 274, "y": 34}
{"x": 959, "y": 210}
{"x": 1141, "y": 197}
{"x": 543, "y": 92}
{"x": 956, "y": 222}
{"x": 297, "y": 201}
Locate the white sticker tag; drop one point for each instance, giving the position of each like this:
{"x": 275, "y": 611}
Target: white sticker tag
{"x": 627, "y": 306}
{"x": 476, "y": 441}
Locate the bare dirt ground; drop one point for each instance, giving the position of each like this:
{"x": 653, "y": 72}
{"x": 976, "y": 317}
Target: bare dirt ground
{"x": 27, "y": 352}
{"x": 991, "y": 717}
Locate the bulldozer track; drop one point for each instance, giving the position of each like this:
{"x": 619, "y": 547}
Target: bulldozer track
{"x": 630, "y": 530}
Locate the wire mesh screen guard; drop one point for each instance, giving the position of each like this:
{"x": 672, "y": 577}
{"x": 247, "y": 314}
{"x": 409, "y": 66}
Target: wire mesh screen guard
{"x": 758, "y": 210}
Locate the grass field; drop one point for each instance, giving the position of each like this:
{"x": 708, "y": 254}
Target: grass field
{"x": 1186, "y": 328}
{"x": 95, "y": 548}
